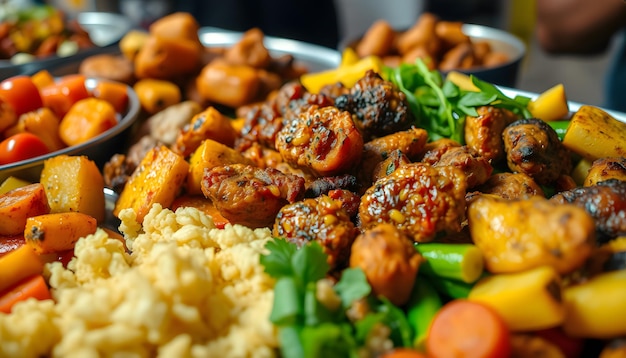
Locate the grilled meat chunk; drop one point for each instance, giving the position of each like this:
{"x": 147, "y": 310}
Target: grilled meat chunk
{"x": 419, "y": 199}
{"x": 320, "y": 219}
{"x": 248, "y": 195}
{"x": 606, "y": 168}
{"x": 477, "y": 168}
{"x": 378, "y": 106}
{"x": 533, "y": 147}
{"x": 322, "y": 140}
{"x": 483, "y": 134}
{"x": 511, "y": 186}
{"x": 605, "y": 202}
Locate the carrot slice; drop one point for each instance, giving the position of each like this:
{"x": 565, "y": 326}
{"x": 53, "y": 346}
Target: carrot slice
{"x": 58, "y": 231}
{"x": 18, "y": 265}
{"x": 465, "y": 328}
{"x": 34, "y": 286}
{"x": 115, "y": 93}
{"x": 19, "y": 204}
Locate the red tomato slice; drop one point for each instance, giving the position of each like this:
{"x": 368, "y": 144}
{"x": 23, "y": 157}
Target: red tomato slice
{"x": 465, "y": 328}
{"x": 21, "y": 146}
{"x": 61, "y": 95}
{"x": 21, "y": 93}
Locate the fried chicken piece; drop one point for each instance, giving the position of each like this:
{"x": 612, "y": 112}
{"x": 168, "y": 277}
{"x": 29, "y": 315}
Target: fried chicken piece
{"x": 322, "y": 140}
{"x": 380, "y": 108}
{"x": 533, "y": 147}
{"x": 419, "y": 199}
{"x": 605, "y": 202}
{"x": 248, "y": 195}
{"x": 320, "y": 219}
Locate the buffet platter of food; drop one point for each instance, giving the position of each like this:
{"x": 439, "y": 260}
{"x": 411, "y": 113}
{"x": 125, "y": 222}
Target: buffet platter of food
{"x": 273, "y": 198}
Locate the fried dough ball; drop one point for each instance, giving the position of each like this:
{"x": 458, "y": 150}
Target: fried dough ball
{"x": 389, "y": 260}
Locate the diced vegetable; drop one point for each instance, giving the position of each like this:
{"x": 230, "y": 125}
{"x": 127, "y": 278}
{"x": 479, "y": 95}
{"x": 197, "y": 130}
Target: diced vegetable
{"x": 58, "y": 231}
{"x": 347, "y": 74}
{"x": 462, "y": 262}
{"x": 594, "y": 134}
{"x": 422, "y": 307}
{"x": 43, "y": 123}
{"x": 11, "y": 183}
{"x": 468, "y": 329}
{"x": 155, "y": 95}
{"x": 86, "y": 119}
{"x": 450, "y": 288}
{"x": 32, "y": 287}
{"x": 158, "y": 179}
{"x": 115, "y": 93}
{"x": 74, "y": 183}
{"x": 550, "y": 105}
{"x": 42, "y": 78}
{"x": 132, "y": 42}
{"x": 166, "y": 58}
{"x": 596, "y": 308}
{"x": 18, "y": 265}
{"x": 208, "y": 124}
{"x": 60, "y": 96}
{"x": 208, "y": 155}
{"x": 228, "y": 84}
{"x": 528, "y": 300}
{"x": 19, "y": 204}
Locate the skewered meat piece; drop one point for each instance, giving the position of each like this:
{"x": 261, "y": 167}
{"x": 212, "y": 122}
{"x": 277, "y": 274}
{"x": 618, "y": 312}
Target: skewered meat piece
{"x": 320, "y": 219}
{"x": 248, "y": 195}
{"x": 605, "y": 202}
{"x": 533, "y": 147}
{"x": 477, "y": 168}
{"x": 389, "y": 261}
{"x": 379, "y": 107}
{"x": 483, "y": 134}
{"x": 418, "y": 199}
{"x": 511, "y": 186}
{"x": 322, "y": 140}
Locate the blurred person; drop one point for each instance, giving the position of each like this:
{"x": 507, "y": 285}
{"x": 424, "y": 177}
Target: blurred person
{"x": 586, "y": 28}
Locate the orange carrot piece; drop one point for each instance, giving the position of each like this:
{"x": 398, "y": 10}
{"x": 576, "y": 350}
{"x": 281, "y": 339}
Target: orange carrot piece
{"x": 34, "y": 286}
{"x": 113, "y": 92}
{"x": 10, "y": 243}
{"x": 42, "y": 79}
{"x": 58, "y": 231}
{"x": 18, "y": 265}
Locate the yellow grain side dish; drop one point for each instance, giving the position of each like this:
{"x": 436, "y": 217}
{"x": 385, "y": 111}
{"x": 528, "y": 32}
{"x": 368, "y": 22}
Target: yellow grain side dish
{"x": 186, "y": 289}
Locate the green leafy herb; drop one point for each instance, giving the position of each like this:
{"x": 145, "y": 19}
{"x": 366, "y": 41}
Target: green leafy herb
{"x": 440, "y": 106}
{"x": 352, "y": 286}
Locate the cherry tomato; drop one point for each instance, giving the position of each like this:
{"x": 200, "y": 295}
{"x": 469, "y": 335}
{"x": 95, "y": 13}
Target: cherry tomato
{"x": 21, "y": 93}
{"x": 466, "y": 329}
{"x": 21, "y": 146}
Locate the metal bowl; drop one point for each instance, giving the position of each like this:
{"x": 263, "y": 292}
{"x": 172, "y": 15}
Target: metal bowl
{"x": 99, "y": 149}
{"x": 505, "y": 74}
{"x": 105, "y": 29}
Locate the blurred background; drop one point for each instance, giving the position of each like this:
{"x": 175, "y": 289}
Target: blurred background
{"x": 329, "y": 22}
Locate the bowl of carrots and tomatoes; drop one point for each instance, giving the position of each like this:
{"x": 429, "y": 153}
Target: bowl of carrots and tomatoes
{"x": 42, "y": 116}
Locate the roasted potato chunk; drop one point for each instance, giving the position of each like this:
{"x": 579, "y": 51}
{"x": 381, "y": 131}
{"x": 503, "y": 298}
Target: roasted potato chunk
{"x": 516, "y": 235}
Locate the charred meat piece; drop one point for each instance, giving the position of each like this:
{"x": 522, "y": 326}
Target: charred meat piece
{"x": 533, "y": 147}
{"x": 605, "y": 202}
{"x": 379, "y": 107}
{"x": 394, "y": 161}
{"x": 483, "y": 134}
{"x": 250, "y": 196}
{"x": 334, "y": 90}
{"x": 511, "y": 186}
{"x": 321, "y": 219}
{"x": 117, "y": 171}
{"x": 322, "y": 140}
{"x": 323, "y": 185}
{"x": 349, "y": 200}
{"x": 420, "y": 200}
{"x": 477, "y": 168}
{"x": 606, "y": 168}
{"x": 389, "y": 261}
{"x": 434, "y": 150}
